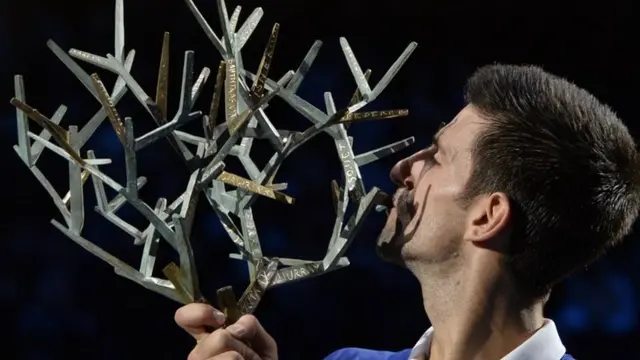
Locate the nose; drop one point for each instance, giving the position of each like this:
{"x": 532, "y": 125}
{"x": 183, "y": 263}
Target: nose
{"x": 401, "y": 174}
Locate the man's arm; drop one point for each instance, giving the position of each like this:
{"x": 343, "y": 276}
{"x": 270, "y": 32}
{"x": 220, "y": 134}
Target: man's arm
{"x": 196, "y": 319}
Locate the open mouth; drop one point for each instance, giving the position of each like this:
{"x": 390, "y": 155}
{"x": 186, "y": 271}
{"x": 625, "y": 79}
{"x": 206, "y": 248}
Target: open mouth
{"x": 405, "y": 207}
{"x": 402, "y": 201}
{"x": 386, "y": 205}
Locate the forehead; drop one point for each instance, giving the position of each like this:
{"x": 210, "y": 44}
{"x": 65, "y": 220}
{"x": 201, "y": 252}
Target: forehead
{"x": 459, "y": 134}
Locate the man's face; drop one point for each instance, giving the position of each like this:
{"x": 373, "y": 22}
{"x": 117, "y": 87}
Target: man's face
{"x": 427, "y": 224}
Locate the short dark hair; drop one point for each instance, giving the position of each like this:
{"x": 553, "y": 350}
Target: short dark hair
{"x": 567, "y": 163}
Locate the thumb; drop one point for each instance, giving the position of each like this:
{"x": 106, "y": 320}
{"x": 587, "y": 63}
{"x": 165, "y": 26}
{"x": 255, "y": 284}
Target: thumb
{"x": 249, "y": 330}
{"x": 197, "y": 318}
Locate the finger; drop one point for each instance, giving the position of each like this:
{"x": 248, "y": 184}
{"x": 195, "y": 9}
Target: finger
{"x": 219, "y": 342}
{"x": 229, "y": 355}
{"x": 248, "y": 329}
{"x": 195, "y": 318}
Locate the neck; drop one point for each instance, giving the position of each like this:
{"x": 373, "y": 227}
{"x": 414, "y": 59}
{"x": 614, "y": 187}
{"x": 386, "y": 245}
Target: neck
{"x": 475, "y": 312}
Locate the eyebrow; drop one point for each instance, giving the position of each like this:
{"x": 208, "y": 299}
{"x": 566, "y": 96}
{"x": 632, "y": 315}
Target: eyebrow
{"x": 436, "y": 137}
{"x": 438, "y": 144}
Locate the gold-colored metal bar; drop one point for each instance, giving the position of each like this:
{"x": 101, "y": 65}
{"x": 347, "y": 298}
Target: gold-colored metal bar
{"x": 335, "y": 194}
{"x": 231, "y": 89}
{"x": 236, "y": 123}
{"x": 228, "y": 305}
{"x": 240, "y": 182}
{"x": 109, "y": 107}
{"x": 162, "y": 86}
{"x": 174, "y": 274}
{"x": 59, "y": 134}
{"x": 265, "y": 273}
{"x": 357, "y": 95}
{"x": 373, "y": 115}
{"x": 217, "y": 95}
{"x": 257, "y": 89}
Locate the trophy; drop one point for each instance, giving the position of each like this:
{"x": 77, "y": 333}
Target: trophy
{"x": 244, "y": 96}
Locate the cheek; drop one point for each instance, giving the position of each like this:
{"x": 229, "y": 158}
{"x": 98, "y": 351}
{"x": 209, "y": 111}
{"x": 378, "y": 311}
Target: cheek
{"x": 441, "y": 229}
{"x": 435, "y": 196}
{"x": 437, "y": 206}
{"x": 437, "y": 188}
{"x": 439, "y": 209}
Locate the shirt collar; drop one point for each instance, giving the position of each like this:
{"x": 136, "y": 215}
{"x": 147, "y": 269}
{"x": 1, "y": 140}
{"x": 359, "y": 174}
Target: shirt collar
{"x": 545, "y": 344}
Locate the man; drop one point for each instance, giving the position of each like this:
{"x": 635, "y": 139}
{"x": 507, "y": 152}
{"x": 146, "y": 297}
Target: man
{"x": 532, "y": 180}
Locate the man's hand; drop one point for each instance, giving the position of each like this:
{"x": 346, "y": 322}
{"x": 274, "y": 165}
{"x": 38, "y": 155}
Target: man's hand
{"x": 244, "y": 340}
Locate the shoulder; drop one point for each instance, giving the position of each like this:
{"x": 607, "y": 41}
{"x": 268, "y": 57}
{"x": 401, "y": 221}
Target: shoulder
{"x": 365, "y": 354}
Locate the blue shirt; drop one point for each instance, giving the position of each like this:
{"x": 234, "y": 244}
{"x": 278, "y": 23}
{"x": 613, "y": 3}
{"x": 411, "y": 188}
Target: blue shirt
{"x": 545, "y": 344}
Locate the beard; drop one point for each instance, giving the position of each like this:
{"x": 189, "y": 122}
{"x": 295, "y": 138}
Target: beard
{"x": 392, "y": 237}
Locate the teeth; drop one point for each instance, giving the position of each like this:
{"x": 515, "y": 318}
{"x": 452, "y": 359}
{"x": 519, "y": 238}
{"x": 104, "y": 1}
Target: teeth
{"x": 381, "y": 208}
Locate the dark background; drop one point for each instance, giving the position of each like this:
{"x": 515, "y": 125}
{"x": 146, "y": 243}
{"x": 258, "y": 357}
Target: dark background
{"x": 57, "y": 301}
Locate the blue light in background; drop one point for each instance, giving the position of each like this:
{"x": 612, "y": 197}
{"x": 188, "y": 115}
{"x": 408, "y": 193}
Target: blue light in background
{"x": 606, "y": 302}
{"x": 573, "y": 318}
{"x": 621, "y": 318}
{"x": 377, "y": 174}
{"x": 105, "y": 142}
{"x": 273, "y": 239}
{"x": 212, "y": 226}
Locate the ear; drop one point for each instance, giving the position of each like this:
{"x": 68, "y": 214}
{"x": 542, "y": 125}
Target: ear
{"x": 488, "y": 218}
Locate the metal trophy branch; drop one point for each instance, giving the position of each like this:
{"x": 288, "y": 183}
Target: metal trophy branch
{"x": 246, "y": 95}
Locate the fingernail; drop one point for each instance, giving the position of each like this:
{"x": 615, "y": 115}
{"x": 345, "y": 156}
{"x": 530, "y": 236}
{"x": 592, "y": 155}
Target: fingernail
{"x": 235, "y": 330}
{"x": 218, "y": 316}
